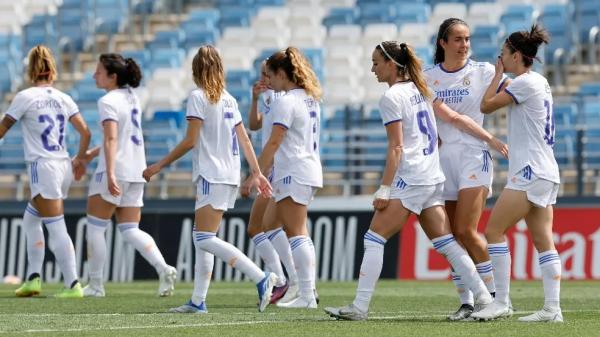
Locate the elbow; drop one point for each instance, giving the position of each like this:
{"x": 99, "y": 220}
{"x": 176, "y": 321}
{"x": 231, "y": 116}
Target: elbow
{"x": 485, "y": 107}
{"x": 188, "y": 144}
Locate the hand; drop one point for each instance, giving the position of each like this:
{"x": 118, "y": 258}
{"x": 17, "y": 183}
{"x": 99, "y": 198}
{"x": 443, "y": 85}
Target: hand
{"x": 78, "y": 166}
{"x": 262, "y": 185}
{"x": 258, "y": 88}
{"x": 246, "y": 187}
{"x": 382, "y": 197}
{"x": 499, "y": 146}
{"x": 113, "y": 187}
{"x": 150, "y": 171}
{"x": 499, "y": 67}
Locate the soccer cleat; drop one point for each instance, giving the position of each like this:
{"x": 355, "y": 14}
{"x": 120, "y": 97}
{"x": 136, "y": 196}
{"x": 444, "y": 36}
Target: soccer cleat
{"x": 190, "y": 308}
{"x": 300, "y": 302}
{"x": 265, "y": 290}
{"x": 167, "y": 281}
{"x": 462, "y": 313}
{"x": 76, "y": 291}
{"x": 291, "y": 294}
{"x": 544, "y": 315}
{"x": 492, "y": 311}
{"x": 279, "y": 292}
{"x": 348, "y": 313}
{"x": 30, "y": 288}
{"x": 93, "y": 291}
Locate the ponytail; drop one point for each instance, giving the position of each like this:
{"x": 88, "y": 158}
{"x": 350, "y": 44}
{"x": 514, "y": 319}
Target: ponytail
{"x": 127, "y": 70}
{"x": 407, "y": 63}
{"x": 42, "y": 66}
{"x": 297, "y": 69}
{"x": 527, "y": 43}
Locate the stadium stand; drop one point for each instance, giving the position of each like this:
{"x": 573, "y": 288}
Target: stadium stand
{"x": 338, "y": 37}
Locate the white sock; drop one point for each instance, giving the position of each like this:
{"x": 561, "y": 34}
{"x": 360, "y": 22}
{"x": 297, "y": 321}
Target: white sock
{"x": 370, "y": 269}
{"x": 466, "y": 296}
{"x": 203, "y": 268}
{"x": 551, "y": 272}
{"x": 96, "y": 248}
{"x": 486, "y": 273}
{"x": 36, "y": 245}
{"x": 500, "y": 257}
{"x": 280, "y": 242}
{"x": 144, "y": 244}
{"x": 313, "y": 270}
{"x": 462, "y": 264}
{"x": 209, "y": 242}
{"x": 303, "y": 253}
{"x": 62, "y": 247}
{"x": 268, "y": 254}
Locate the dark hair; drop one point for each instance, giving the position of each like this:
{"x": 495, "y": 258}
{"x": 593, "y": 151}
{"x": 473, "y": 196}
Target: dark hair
{"x": 297, "y": 69}
{"x": 127, "y": 70}
{"x": 443, "y": 35}
{"x": 527, "y": 42}
{"x": 407, "y": 63}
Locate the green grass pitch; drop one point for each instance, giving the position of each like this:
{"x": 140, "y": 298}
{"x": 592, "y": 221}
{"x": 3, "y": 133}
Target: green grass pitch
{"x": 399, "y": 308}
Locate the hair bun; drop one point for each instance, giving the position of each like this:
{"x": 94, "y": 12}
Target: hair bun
{"x": 403, "y": 45}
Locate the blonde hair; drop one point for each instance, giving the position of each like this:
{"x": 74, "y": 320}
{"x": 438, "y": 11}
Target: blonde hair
{"x": 297, "y": 69}
{"x": 42, "y": 66}
{"x": 208, "y": 72}
{"x": 407, "y": 63}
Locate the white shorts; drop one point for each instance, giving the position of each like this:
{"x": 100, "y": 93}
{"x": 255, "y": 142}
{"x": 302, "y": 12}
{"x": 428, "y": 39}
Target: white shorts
{"x": 218, "y": 196}
{"x": 50, "y": 178}
{"x": 541, "y": 192}
{"x": 289, "y": 187}
{"x": 465, "y": 167}
{"x": 416, "y": 198}
{"x": 132, "y": 193}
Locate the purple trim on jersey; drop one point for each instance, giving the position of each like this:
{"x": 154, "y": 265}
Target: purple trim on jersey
{"x": 435, "y": 99}
{"x": 238, "y": 123}
{"x": 193, "y": 117}
{"x": 228, "y": 115}
{"x": 454, "y": 71}
{"x": 394, "y": 121}
{"x": 73, "y": 115}
{"x": 109, "y": 120}
{"x": 511, "y": 95}
{"x": 501, "y": 84}
{"x": 282, "y": 125}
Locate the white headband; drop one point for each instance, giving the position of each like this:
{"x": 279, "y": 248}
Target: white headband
{"x": 390, "y": 57}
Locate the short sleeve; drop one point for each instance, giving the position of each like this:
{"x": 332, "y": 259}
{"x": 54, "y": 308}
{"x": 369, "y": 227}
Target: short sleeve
{"x": 17, "y": 107}
{"x": 107, "y": 111}
{"x": 237, "y": 115}
{"x": 71, "y": 107}
{"x": 391, "y": 111}
{"x": 283, "y": 114}
{"x": 519, "y": 90}
{"x": 195, "y": 107}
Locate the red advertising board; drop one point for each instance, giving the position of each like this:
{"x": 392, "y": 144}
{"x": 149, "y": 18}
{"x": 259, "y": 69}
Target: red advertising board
{"x": 576, "y": 236}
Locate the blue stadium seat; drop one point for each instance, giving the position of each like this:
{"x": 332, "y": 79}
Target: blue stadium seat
{"x": 171, "y": 39}
{"x": 239, "y": 79}
{"x": 167, "y": 58}
{"x": 235, "y": 16}
{"x": 407, "y": 12}
{"x": 200, "y": 37}
{"x": 485, "y": 34}
{"x": 376, "y": 13}
{"x": 341, "y": 16}
{"x": 177, "y": 116}
{"x": 485, "y": 52}
{"x": 588, "y": 13}
{"x": 589, "y": 89}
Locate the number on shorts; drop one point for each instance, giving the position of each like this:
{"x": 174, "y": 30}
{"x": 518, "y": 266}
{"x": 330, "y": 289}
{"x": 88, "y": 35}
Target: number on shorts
{"x": 426, "y": 127}
{"x": 549, "y": 128}
{"x": 48, "y": 130}
{"x": 135, "y": 138}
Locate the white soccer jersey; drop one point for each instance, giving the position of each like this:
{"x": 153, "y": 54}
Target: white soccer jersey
{"x": 123, "y": 106}
{"x": 462, "y": 90}
{"x": 420, "y": 164}
{"x": 216, "y": 155}
{"x": 531, "y": 127}
{"x": 298, "y": 155}
{"x": 266, "y": 99}
{"x": 43, "y": 112}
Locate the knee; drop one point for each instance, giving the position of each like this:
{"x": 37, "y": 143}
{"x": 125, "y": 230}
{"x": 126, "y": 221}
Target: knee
{"x": 493, "y": 234}
{"x": 253, "y": 230}
{"x": 465, "y": 235}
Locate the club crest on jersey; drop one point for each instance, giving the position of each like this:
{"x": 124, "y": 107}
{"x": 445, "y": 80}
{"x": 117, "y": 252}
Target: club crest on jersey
{"x": 466, "y": 81}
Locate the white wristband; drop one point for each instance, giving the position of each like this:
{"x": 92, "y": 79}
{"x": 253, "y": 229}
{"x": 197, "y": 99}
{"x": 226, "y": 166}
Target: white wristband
{"x": 383, "y": 192}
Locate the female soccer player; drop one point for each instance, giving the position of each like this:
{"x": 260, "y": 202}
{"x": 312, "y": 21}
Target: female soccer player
{"x": 533, "y": 177}
{"x": 117, "y": 186}
{"x": 292, "y": 151}
{"x": 269, "y": 238}
{"x": 215, "y": 133}
{"x": 412, "y": 178}
{"x": 466, "y": 162}
{"x": 43, "y": 111}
